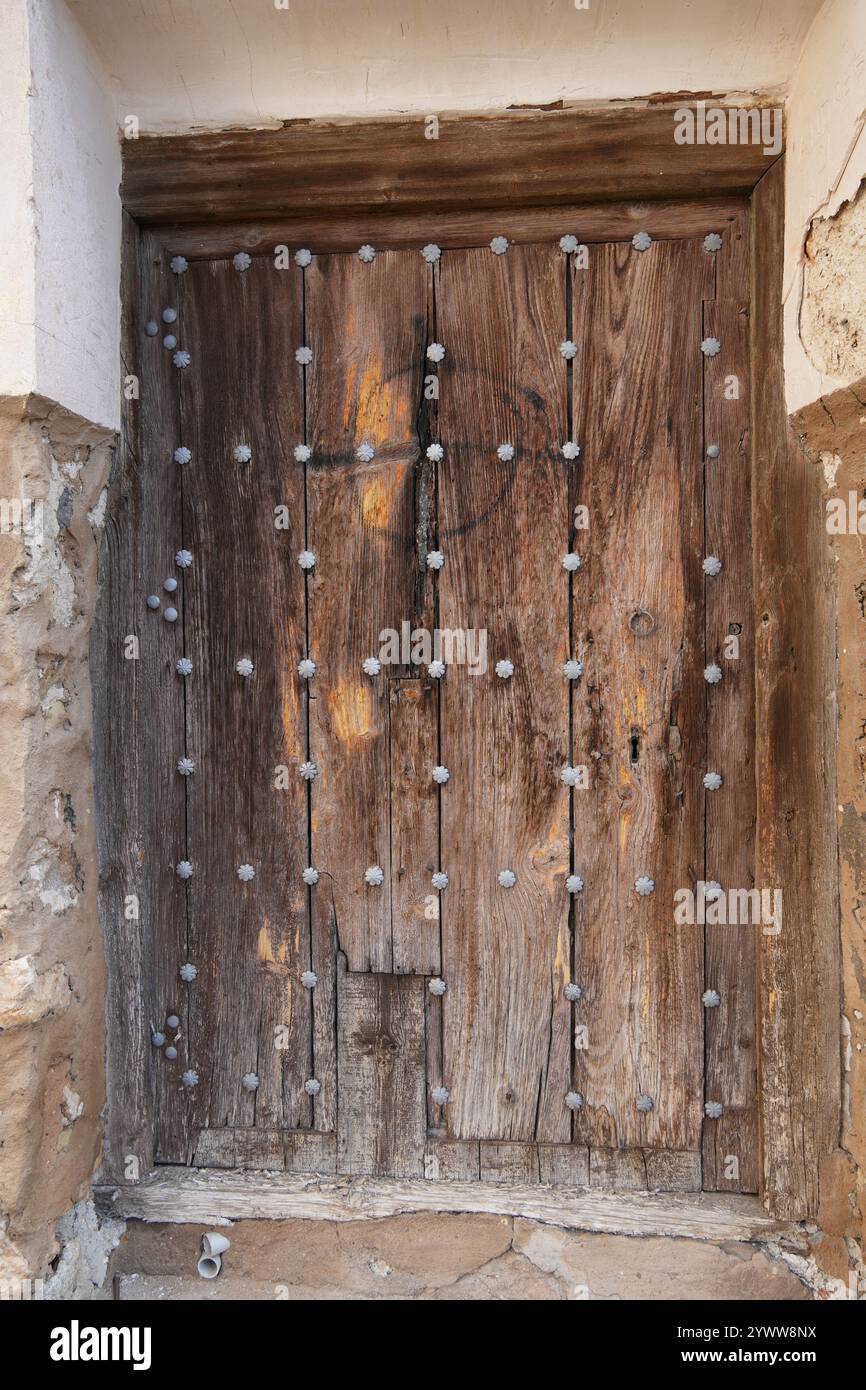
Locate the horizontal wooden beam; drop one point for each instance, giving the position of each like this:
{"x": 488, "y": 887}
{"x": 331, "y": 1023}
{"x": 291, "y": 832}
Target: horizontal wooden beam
{"x": 216, "y": 1198}
{"x": 355, "y": 168}
{"x": 590, "y": 222}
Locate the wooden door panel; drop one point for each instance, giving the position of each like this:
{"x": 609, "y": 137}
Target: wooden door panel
{"x": 638, "y": 710}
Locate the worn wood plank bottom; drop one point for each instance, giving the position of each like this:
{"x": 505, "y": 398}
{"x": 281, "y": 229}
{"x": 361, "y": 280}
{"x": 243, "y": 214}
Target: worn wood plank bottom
{"x": 217, "y": 1198}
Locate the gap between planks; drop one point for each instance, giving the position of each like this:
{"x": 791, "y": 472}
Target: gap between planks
{"x": 194, "y": 1196}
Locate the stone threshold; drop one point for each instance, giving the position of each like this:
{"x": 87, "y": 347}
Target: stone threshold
{"x": 218, "y": 1197}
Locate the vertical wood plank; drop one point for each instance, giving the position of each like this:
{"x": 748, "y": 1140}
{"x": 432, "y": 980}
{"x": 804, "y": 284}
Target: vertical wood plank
{"x": 244, "y": 598}
{"x": 366, "y": 327}
{"x": 795, "y": 658}
{"x": 502, "y": 527}
{"x": 730, "y": 949}
{"x": 414, "y": 826}
{"x": 638, "y": 709}
{"x": 382, "y": 1109}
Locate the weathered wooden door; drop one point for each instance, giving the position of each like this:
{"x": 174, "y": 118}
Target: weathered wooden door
{"x": 402, "y": 917}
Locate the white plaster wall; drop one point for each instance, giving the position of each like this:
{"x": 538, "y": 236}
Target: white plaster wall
{"x": 177, "y": 64}
{"x": 59, "y": 305}
{"x": 826, "y": 160}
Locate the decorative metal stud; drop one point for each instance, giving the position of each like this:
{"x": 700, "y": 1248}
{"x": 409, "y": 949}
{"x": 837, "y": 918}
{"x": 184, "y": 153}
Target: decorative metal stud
{"x": 711, "y": 999}
{"x": 499, "y": 245}
{"x": 183, "y": 559}
{"x": 371, "y": 666}
{"x": 365, "y": 453}
{"x": 312, "y": 1087}
{"x": 172, "y": 1021}
{"x": 169, "y": 315}
{"x": 309, "y": 979}
{"x": 712, "y": 565}
{"x": 181, "y": 358}
{"x": 574, "y": 1100}
{"x": 303, "y": 257}
{"x": 712, "y": 891}
{"x": 309, "y": 771}
{"x": 568, "y": 349}
{"x": 190, "y": 1079}
{"x": 713, "y": 451}
{"x": 170, "y": 585}
{"x": 183, "y": 666}
{"x": 185, "y": 766}
{"x": 570, "y": 450}
{"x": 153, "y": 601}
{"x": 244, "y": 667}
{"x": 242, "y": 261}
{"x": 250, "y": 1082}
{"x": 437, "y": 986}
{"x": 435, "y": 559}
{"x": 303, "y": 356}
{"x": 242, "y": 453}
{"x": 435, "y": 352}
{"x": 712, "y": 781}
{"x": 306, "y": 669}
{"x": 712, "y": 242}
{"x": 440, "y": 1095}
{"x": 179, "y": 264}
{"x": 435, "y": 453}
{"x": 571, "y": 561}
{"x": 711, "y": 347}
{"x": 307, "y": 559}
{"x": 366, "y": 253}
{"x": 374, "y": 876}
{"x": 439, "y": 881}
{"x": 157, "y": 1039}
{"x": 573, "y": 993}
{"x": 507, "y": 878}
{"x": 569, "y": 775}
{"x": 504, "y": 669}
{"x": 641, "y": 241}
{"x": 151, "y": 328}
{"x": 436, "y": 670}
{"x": 574, "y": 884}
{"x": 431, "y": 253}
{"x": 310, "y": 876}
{"x": 169, "y": 342}
{"x": 644, "y": 1104}
{"x": 188, "y": 973}
{"x": 714, "y": 1110}
{"x": 170, "y": 1053}
{"x": 303, "y": 452}
{"x": 572, "y": 670}
{"x": 505, "y": 452}
{"x": 441, "y": 775}
{"x": 170, "y": 615}
{"x": 246, "y": 873}
{"x": 644, "y": 885}
{"x": 568, "y": 244}
{"x": 182, "y": 455}
{"x": 712, "y": 674}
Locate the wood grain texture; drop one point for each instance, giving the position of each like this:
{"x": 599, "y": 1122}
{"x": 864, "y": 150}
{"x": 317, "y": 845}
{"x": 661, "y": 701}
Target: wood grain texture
{"x": 414, "y": 816}
{"x": 188, "y": 1195}
{"x": 503, "y": 527}
{"x": 244, "y": 597}
{"x": 799, "y": 1002}
{"x": 533, "y": 157}
{"x": 508, "y": 1162}
{"x": 563, "y": 1165}
{"x": 396, "y": 230}
{"x": 458, "y": 1159}
{"x": 366, "y": 326}
{"x": 730, "y": 950}
{"x": 121, "y": 692}
{"x": 638, "y": 708}
{"x": 382, "y": 1115}
{"x": 295, "y": 1150}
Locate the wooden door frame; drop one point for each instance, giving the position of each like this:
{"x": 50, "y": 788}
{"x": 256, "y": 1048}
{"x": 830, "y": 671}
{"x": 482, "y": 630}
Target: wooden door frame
{"x": 527, "y": 174}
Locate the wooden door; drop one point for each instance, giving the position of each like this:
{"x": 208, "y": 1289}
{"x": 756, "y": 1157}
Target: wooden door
{"x": 353, "y": 497}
